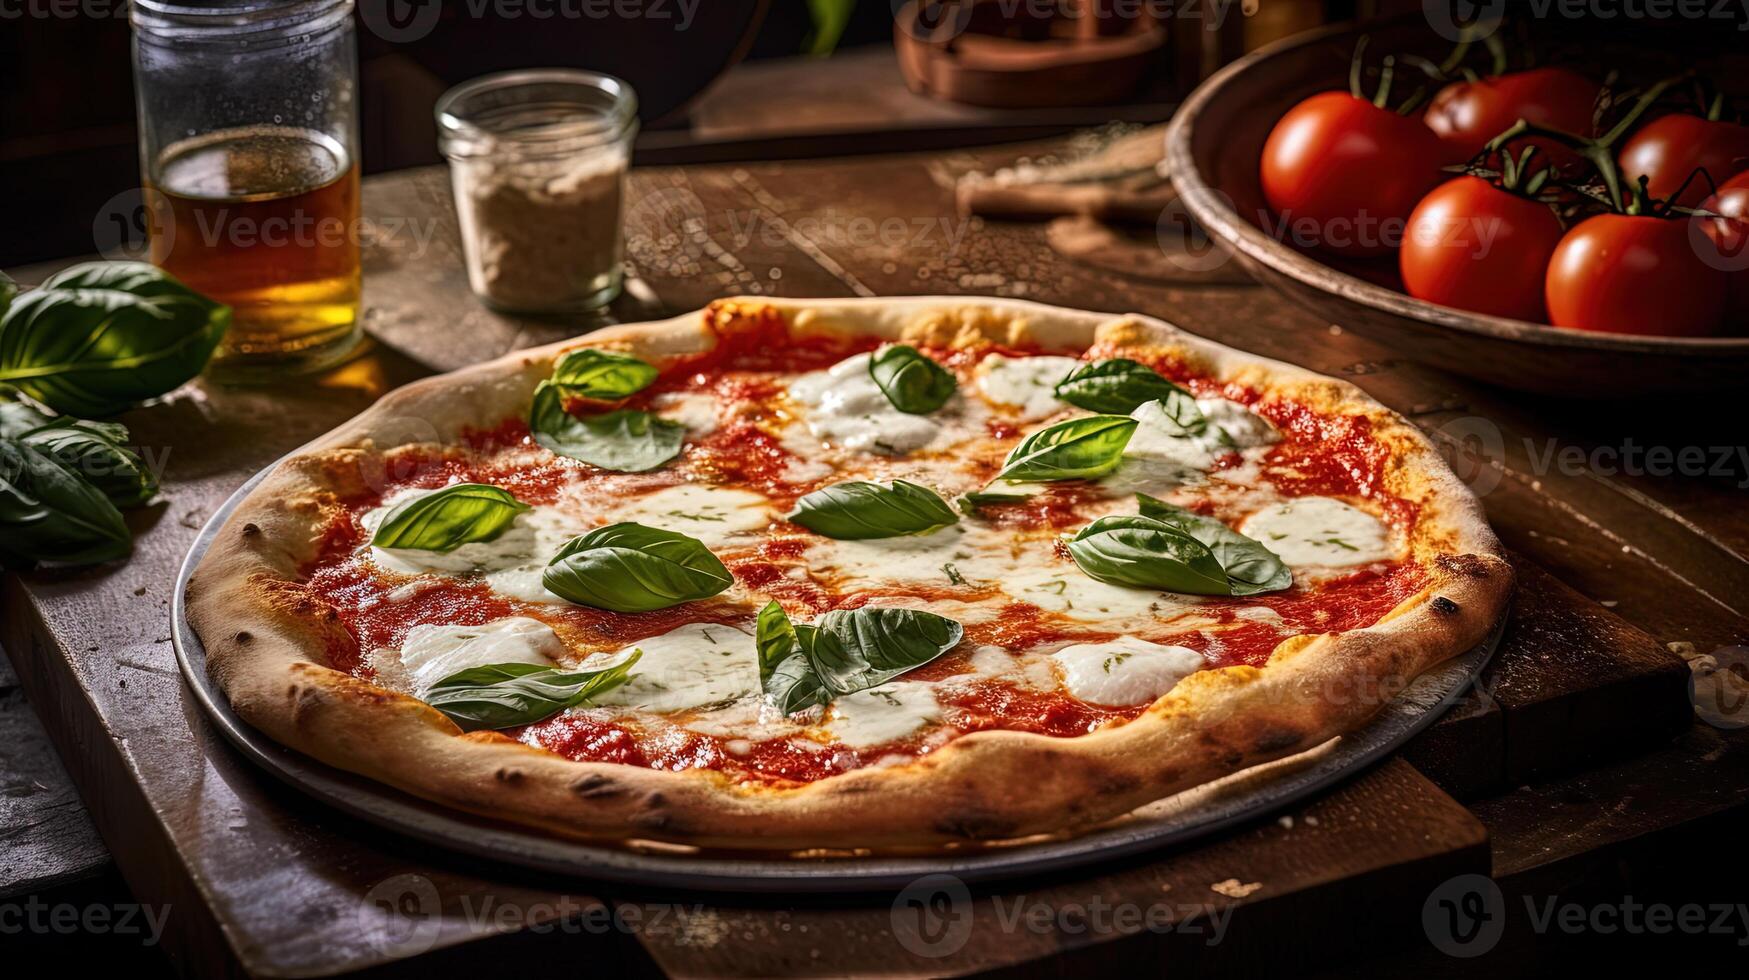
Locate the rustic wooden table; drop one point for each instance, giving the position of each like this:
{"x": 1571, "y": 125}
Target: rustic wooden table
{"x": 1578, "y": 743}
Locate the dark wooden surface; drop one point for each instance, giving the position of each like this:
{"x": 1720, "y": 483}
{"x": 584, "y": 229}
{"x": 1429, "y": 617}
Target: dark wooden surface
{"x": 260, "y": 879}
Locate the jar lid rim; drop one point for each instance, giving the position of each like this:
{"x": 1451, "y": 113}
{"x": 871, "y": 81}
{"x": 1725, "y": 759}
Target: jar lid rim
{"x": 462, "y": 133}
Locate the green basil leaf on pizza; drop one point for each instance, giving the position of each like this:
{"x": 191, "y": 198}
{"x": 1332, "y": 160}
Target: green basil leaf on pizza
{"x": 444, "y": 520}
{"x": 784, "y": 672}
{"x": 846, "y": 651}
{"x": 1145, "y": 553}
{"x": 506, "y": 695}
{"x": 1116, "y": 386}
{"x": 858, "y": 510}
{"x": 628, "y": 567}
{"x": 602, "y": 375}
{"x": 1251, "y": 568}
{"x": 912, "y": 382}
{"x": 1073, "y": 449}
{"x": 626, "y": 440}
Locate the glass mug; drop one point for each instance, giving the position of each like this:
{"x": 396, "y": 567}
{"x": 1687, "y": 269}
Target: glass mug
{"x": 248, "y": 136}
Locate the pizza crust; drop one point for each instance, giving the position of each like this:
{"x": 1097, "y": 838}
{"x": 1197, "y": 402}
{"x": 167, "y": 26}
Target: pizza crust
{"x": 265, "y": 642}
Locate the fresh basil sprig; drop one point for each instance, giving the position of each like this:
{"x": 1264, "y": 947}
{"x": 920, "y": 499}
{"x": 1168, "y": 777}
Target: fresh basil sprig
{"x": 858, "y": 510}
{"x": 98, "y": 337}
{"x": 848, "y": 650}
{"x": 628, "y": 567}
{"x": 506, "y": 695}
{"x": 1251, "y": 568}
{"x": 1079, "y": 448}
{"x": 98, "y": 452}
{"x": 444, "y": 520}
{"x": 1116, "y": 386}
{"x": 972, "y": 504}
{"x": 627, "y": 440}
{"x": 914, "y": 384}
{"x": 603, "y": 375}
{"x": 50, "y": 513}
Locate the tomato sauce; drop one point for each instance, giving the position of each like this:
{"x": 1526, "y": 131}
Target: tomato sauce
{"x": 1322, "y": 455}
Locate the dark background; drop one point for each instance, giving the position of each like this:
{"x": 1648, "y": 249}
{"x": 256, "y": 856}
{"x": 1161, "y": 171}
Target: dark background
{"x": 67, "y": 133}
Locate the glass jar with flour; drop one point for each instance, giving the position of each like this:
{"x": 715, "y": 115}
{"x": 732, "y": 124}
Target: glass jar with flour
{"x": 538, "y": 161}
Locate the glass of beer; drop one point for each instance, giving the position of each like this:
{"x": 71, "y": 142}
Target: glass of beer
{"x": 248, "y": 139}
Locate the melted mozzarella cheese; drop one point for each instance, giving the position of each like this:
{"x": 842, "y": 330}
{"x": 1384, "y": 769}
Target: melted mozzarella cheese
{"x": 1123, "y": 671}
{"x": 882, "y": 714}
{"x": 1025, "y": 383}
{"x": 1158, "y": 438}
{"x": 847, "y": 409}
{"x": 1319, "y": 532}
{"x": 1244, "y": 428}
{"x": 694, "y": 409}
{"x": 695, "y": 665}
{"x": 1065, "y": 589}
{"x": 432, "y": 652}
{"x": 713, "y": 515}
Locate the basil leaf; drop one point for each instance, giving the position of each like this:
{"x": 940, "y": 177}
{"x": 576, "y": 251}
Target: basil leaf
{"x": 47, "y": 513}
{"x": 506, "y": 695}
{"x": 600, "y": 374}
{"x": 1144, "y": 553}
{"x": 8, "y": 292}
{"x": 1180, "y": 416}
{"x": 628, "y": 567}
{"x": 99, "y": 337}
{"x": 856, "y": 649}
{"x": 444, "y": 520}
{"x": 1251, "y": 568}
{"x": 97, "y": 452}
{"x": 914, "y": 384}
{"x": 848, "y": 650}
{"x": 1116, "y": 386}
{"x": 627, "y": 440}
{"x": 784, "y": 673}
{"x": 1084, "y": 447}
{"x": 857, "y": 510}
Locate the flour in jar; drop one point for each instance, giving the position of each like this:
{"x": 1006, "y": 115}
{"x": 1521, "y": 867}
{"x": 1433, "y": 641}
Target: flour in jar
{"x": 543, "y": 233}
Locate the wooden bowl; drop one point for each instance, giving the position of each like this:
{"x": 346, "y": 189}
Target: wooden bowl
{"x": 1213, "y": 147}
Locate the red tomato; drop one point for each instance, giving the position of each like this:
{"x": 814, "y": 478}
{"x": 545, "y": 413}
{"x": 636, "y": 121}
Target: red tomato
{"x": 1344, "y": 174}
{"x": 1730, "y": 235}
{"x": 1636, "y": 274}
{"x": 1670, "y": 148}
{"x": 1466, "y": 115}
{"x": 1471, "y": 245}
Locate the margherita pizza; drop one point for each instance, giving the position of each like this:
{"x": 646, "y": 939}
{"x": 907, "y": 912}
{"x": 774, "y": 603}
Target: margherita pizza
{"x": 890, "y": 573}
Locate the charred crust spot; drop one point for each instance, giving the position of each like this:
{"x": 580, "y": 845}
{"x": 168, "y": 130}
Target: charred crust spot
{"x": 508, "y": 776}
{"x": 243, "y": 636}
{"x": 251, "y": 530}
{"x": 656, "y": 801}
{"x": 596, "y": 787}
{"x": 850, "y": 789}
{"x": 1277, "y": 740}
{"x": 1444, "y": 606}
